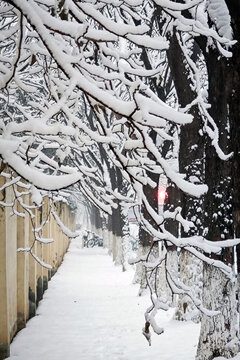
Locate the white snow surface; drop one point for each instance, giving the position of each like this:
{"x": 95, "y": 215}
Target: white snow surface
{"x": 92, "y": 311}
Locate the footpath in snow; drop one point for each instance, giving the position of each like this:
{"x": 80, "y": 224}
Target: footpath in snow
{"x": 91, "y": 311}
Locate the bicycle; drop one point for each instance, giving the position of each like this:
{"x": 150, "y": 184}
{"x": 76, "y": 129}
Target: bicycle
{"x": 93, "y": 241}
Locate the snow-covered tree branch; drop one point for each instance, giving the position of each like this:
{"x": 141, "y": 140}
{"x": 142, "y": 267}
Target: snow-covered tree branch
{"x": 87, "y": 87}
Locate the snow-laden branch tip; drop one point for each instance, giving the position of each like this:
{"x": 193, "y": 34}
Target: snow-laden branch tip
{"x": 65, "y": 229}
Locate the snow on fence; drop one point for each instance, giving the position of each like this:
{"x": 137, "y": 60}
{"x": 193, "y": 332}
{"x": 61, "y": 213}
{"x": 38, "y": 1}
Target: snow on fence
{"x": 23, "y": 279}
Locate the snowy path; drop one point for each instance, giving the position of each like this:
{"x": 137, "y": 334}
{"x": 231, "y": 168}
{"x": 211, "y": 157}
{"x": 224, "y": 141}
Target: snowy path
{"x": 91, "y": 311}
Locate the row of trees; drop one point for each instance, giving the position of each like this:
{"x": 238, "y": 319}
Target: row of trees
{"x": 110, "y": 96}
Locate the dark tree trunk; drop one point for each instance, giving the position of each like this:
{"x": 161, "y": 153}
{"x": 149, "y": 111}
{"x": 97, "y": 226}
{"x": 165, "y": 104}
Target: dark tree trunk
{"x": 117, "y": 222}
{"x": 234, "y": 116}
{"x": 145, "y": 238}
{"x": 191, "y": 163}
{"x": 222, "y": 201}
{"x": 234, "y": 110}
{"x": 191, "y": 152}
{"x": 218, "y": 202}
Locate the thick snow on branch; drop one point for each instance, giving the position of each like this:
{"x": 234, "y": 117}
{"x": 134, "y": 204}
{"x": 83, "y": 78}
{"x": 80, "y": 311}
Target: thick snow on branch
{"x": 178, "y": 6}
{"x": 41, "y": 262}
{"x": 219, "y": 14}
{"x": 44, "y": 181}
{"x": 65, "y": 230}
{"x": 89, "y": 53}
{"x": 44, "y": 240}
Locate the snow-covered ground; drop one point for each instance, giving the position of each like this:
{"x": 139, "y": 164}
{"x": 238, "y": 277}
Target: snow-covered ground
{"x": 91, "y": 311}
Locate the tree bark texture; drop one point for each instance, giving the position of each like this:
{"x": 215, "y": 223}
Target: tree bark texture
{"x": 170, "y": 263}
{"x": 218, "y": 336}
{"x": 191, "y": 161}
{"x": 191, "y": 275}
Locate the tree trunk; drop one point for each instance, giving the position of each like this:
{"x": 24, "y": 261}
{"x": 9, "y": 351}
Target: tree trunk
{"x": 234, "y": 111}
{"x": 163, "y": 289}
{"x": 140, "y": 272}
{"x": 223, "y": 196}
{"x": 218, "y": 334}
{"x": 191, "y": 164}
{"x": 191, "y": 275}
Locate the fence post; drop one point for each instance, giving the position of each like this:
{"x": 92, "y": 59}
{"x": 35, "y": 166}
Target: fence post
{"x": 32, "y": 269}
{"x": 22, "y": 267}
{"x": 65, "y": 220}
{"x": 53, "y": 245}
{"x": 45, "y": 234}
{"x": 38, "y": 223}
{"x": 11, "y": 262}
{"x": 60, "y": 235}
{"x": 4, "y": 320}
